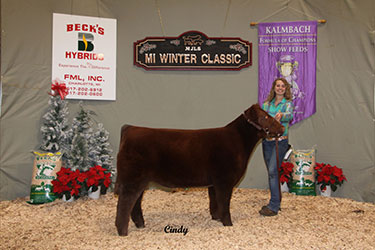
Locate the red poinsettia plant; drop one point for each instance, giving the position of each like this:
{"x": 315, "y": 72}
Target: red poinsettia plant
{"x": 96, "y": 177}
{"x": 328, "y": 175}
{"x": 285, "y": 172}
{"x": 68, "y": 183}
{"x": 76, "y": 183}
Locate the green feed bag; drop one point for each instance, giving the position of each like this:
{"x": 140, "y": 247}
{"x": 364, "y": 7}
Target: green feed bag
{"x": 46, "y": 165}
{"x": 303, "y": 176}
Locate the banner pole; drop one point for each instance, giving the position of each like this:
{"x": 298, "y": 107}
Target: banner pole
{"x": 319, "y": 21}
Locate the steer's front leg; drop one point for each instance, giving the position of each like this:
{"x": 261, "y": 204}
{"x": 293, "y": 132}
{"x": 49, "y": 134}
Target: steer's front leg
{"x": 223, "y": 196}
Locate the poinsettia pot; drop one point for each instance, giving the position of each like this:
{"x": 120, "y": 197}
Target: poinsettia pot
{"x": 284, "y": 187}
{"x": 327, "y": 192}
{"x": 94, "y": 194}
{"x": 64, "y": 198}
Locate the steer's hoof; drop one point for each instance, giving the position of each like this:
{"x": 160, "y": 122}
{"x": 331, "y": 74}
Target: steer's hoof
{"x": 122, "y": 232}
{"x": 228, "y": 224}
{"x": 215, "y": 217}
{"x": 140, "y": 225}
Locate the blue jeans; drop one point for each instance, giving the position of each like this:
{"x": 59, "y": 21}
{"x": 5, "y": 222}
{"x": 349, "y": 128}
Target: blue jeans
{"x": 269, "y": 155}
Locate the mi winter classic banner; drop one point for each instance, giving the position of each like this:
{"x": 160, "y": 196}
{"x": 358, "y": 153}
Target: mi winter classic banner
{"x": 288, "y": 50}
{"x": 84, "y": 56}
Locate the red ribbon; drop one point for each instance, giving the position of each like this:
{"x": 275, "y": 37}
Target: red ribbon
{"x": 59, "y": 88}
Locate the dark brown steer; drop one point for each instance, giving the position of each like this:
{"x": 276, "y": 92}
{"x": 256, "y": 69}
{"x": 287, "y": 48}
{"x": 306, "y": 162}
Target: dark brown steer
{"x": 215, "y": 157}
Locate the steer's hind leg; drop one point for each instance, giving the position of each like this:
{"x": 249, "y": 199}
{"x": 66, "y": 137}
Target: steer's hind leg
{"x": 223, "y": 195}
{"x": 213, "y": 203}
{"x": 127, "y": 199}
{"x": 136, "y": 214}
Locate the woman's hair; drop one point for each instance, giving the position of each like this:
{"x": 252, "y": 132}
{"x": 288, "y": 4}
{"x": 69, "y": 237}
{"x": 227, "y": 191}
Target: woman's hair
{"x": 272, "y": 94}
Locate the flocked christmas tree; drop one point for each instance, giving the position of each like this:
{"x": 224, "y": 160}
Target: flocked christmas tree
{"x": 79, "y": 140}
{"x": 55, "y": 125}
{"x": 88, "y": 149}
{"x": 100, "y": 151}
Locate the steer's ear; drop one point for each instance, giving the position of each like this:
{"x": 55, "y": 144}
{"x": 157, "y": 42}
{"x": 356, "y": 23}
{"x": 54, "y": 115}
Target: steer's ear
{"x": 252, "y": 114}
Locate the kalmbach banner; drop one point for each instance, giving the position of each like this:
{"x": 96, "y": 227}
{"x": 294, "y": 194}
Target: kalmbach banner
{"x": 288, "y": 49}
{"x": 192, "y": 50}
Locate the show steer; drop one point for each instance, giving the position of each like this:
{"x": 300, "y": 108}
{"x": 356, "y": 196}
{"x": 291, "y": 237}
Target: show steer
{"x": 216, "y": 158}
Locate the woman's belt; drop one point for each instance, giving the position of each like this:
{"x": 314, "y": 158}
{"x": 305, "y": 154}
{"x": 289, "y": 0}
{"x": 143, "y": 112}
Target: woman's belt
{"x": 280, "y": 138}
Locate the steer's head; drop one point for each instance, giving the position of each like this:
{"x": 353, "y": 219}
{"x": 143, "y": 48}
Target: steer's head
{"x": 266, "y": 124}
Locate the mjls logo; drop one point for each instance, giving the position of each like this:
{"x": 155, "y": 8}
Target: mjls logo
{"x": 85, "y": 42}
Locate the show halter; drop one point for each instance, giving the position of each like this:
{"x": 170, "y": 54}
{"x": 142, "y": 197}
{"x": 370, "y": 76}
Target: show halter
{"x": 257, "y": 126}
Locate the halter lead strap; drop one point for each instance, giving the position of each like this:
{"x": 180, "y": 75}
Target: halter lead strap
{"x": 278, "y": 164}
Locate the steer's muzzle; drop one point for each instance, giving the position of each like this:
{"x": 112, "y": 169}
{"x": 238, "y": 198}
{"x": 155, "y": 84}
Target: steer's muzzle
{"x": 276, "y": 132}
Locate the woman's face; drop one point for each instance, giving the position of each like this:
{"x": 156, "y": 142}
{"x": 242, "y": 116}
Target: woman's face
{"x": 280, "y": 88}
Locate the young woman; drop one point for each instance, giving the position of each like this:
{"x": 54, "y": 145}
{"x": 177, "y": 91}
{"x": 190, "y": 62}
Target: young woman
{"x": 278, "y": 105}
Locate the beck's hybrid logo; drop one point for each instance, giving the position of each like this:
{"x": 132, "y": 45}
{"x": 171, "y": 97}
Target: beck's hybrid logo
{"x": 192, "y": 50}
{"x": 86, "y": 44}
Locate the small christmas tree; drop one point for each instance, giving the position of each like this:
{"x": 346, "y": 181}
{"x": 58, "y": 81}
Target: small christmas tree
{"x": 78, "y": 157}
{"x": 100, "y": 151}
{"x": 55, "y": 125}
{"x": 79, "y": 136}
{"x": 82, "y": 123}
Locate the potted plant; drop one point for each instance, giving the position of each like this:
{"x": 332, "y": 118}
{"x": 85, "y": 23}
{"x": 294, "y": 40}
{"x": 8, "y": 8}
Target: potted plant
{"x": 68, "y": 183}
{"x": 329, "y": 177}
{"x": 285, "y": 173}
{"x": 97, "y": 180}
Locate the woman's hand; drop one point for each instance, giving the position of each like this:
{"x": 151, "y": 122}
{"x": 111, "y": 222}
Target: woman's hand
{"x": 278, "y": 116}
